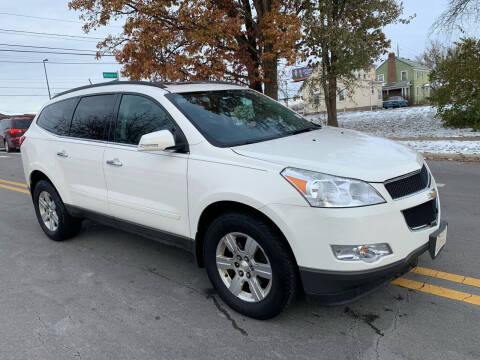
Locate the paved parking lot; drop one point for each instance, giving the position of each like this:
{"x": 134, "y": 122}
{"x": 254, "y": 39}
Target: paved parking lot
{"x": 111, "y": 295}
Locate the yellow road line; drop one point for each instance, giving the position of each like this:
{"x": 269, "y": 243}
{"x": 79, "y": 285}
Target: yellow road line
{"x": 13, "y": 183}
{"x": 437, "y": 290}
{"x": 14, "y": 189}
{"x": 447, "y": 276}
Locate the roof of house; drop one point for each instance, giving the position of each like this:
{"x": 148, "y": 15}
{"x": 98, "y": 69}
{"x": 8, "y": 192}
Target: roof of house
{"x": 412, "y": 63}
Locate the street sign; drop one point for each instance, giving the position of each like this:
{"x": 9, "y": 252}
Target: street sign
{"x": 110, "y": 75}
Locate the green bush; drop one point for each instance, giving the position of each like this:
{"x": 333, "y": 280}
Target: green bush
{"x": 456, "y": 85}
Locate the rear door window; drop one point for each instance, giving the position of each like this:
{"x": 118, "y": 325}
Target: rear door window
{"x": 56, "y": 118}
{"x": 92, "y": 117}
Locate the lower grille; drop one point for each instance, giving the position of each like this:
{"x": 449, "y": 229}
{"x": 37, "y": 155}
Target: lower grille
{"x": 408, "y": 184}
{"x": 423, "y": 215}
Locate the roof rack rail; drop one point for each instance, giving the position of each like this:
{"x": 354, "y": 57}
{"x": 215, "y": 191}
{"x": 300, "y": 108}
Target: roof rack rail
{"x": 198, "y": 82}
{"x": 129, "y": 82}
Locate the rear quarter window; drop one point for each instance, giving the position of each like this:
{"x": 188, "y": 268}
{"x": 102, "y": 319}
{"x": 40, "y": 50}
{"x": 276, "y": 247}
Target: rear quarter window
{"x": 56, "y": 117}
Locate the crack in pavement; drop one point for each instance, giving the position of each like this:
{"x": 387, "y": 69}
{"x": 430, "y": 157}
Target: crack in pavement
{"x": 224, "y": 311}
{"x": 367, "y": 319}
{"x": 209, "y": 295}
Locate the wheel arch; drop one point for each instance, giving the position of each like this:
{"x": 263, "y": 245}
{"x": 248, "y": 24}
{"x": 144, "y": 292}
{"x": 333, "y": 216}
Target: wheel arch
{"x": 35, "y": 177}
{"x": 213, "y": 210}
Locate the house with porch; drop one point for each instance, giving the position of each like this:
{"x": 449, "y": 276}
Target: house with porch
{"x": 404, "y": 77}
{"x": 364, "y": 94}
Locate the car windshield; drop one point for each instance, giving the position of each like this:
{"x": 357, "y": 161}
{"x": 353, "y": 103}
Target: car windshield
{"x": 21, "y": 123}
{"x": 395, "y": 98}
{"x": 238, "y": 117}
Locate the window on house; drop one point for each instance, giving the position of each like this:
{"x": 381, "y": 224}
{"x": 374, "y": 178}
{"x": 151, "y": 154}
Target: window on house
{"x": 404, "y": 76}
{"x": 316, "y": 99}
{"x": 380, "y": 94}
{"x": 364, "y": 76}
{"x": 372, "y": 89}
{"x": 341, "y": 95}
{"x": 381, "y": 77}
{"x": 418, "y": 91}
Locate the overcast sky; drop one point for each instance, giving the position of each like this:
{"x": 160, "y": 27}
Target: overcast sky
{"x": 19, "y": 77}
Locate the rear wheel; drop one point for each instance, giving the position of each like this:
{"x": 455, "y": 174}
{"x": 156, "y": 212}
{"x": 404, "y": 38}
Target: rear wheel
{"x": 51, "y": 213}
{"x": 249, "y": 265}
{"x": 7, "y": 147}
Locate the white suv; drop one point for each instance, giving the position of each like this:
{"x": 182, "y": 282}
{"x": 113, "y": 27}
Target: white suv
{"x": 267, "y": 201}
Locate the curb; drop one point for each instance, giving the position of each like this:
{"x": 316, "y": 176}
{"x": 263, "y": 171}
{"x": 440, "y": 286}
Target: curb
{"x": 452, "y": 157}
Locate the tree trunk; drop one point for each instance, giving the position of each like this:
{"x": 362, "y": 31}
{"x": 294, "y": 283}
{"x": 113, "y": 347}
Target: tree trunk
{"x": 270, "y": 69}
{"x": 330, "y": 90}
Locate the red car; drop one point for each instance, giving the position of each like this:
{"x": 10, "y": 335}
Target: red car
{"x": 11, "y": 130}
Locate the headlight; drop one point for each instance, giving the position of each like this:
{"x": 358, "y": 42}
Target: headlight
{"x": 322, "y": 190}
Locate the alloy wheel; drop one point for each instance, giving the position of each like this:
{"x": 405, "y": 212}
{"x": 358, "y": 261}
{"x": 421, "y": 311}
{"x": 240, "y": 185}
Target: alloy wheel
{"x": 244, "y": 267}
{"x": 48, "y": 211}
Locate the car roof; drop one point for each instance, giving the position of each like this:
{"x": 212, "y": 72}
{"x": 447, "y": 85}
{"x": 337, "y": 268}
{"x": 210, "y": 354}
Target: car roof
{"x": 173, "y": 87}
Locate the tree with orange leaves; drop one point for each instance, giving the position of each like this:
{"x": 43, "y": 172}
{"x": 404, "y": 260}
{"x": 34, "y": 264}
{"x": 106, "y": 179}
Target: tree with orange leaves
{"x": 169, "y": 40}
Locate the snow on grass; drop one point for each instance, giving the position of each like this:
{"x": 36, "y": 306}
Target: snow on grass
{"x": 408, "y": 122}
{"x": 444, "y": 146}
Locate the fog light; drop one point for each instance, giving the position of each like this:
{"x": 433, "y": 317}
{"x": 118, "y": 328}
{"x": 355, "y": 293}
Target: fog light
{"x": 367, "y": 253}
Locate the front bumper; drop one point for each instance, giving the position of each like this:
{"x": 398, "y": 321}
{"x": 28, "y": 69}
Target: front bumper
{"x": 338, "y": 287}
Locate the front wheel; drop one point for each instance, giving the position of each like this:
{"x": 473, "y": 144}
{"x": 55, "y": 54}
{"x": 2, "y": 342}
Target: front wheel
{"x": 249, "y": 265}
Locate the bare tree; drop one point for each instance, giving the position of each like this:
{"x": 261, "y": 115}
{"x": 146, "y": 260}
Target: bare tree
{"x": 433, "y": 54}
{"x": 458, "y": 13}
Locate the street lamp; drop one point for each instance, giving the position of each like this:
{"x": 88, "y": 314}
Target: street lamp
{"x": 46, "y": 77}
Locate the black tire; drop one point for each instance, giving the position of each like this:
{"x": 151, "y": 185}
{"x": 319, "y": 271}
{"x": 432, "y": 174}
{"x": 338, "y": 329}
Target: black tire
{"x": 68, "y": 226}
{"x": 8, "y": 149}
{"x": 284, "y": 270}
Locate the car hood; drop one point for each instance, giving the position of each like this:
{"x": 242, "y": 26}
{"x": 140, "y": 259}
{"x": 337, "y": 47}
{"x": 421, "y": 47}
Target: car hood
{"x": 338, "y": 152}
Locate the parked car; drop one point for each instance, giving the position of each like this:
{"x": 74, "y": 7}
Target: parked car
{"x": 395, "y": 101}
{"x": 268, "y": 202}
{"x": 11, "y": 130}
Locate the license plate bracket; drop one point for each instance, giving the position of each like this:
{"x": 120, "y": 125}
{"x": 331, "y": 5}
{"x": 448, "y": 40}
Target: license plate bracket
{"x": 438, "y": 239}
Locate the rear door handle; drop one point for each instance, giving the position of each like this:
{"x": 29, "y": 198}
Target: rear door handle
{"x": 62, "y": 153}
{"x": 114, "y": 162}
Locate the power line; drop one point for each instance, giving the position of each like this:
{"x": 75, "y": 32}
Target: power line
{"x": 49, "y": 19}
{"x": 52, "y": 34}
{"x": 58, "y": 62}
{"x": 51, "y": 52}
{"x": 31, "y": 87}
{"x": 44, "y": 47}
{"x": 29, "y": 95}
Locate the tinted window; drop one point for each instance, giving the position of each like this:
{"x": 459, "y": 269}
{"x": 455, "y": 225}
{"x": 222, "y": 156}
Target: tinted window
{"x": 91, "y": 117}
{"x": 21, "y": 123}
{"x": 56, "y": 117}
{"x": 237, "y": 117}
{"x": 138, "y": 116}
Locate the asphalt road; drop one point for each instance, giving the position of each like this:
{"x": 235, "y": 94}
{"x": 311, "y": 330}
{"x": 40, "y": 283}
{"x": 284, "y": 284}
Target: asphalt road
{"x": 112, "y": 295}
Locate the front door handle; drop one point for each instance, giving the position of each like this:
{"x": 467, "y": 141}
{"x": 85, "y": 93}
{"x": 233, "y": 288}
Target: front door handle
{"x": 62, "y": 153}
{"x": 114, "y": 162}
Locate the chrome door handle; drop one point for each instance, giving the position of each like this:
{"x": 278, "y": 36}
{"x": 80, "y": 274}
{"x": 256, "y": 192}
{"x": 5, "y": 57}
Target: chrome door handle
{"x": 62, "y": 154}
{"x": 114, "y": 162}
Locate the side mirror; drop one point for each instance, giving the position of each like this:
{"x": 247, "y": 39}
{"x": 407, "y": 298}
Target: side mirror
{"x": 156, "y": 141}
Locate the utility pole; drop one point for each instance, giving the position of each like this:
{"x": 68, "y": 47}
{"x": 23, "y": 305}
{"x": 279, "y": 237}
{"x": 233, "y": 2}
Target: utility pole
{"x": 398, "y": 51}
{"x": 46, "y": 78}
